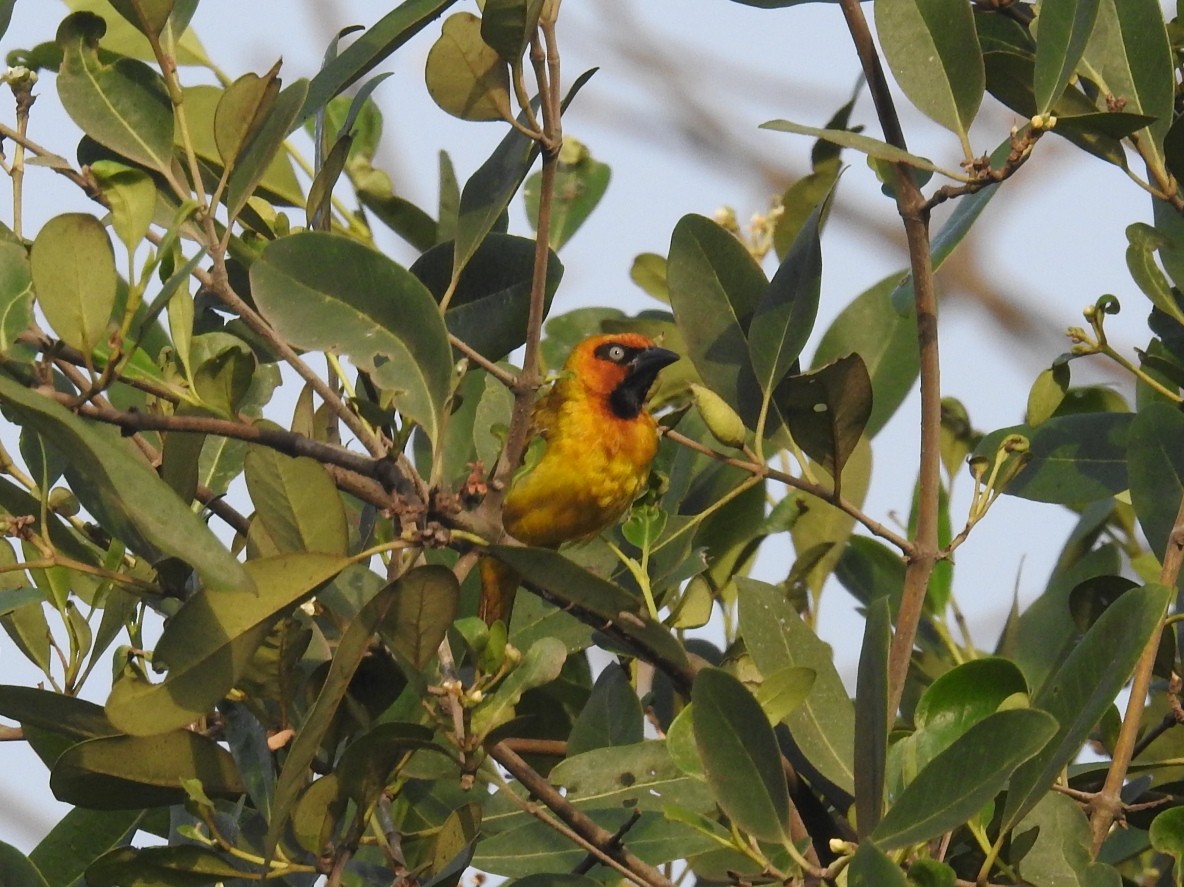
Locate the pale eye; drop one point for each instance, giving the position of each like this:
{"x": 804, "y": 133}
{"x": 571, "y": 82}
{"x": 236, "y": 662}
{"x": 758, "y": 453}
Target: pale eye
{"x": 616, "y": 353}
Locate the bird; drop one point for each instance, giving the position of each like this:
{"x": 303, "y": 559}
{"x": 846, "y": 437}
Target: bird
{"x": 599, "y": 441}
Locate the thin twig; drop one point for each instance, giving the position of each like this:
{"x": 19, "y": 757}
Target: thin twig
{"x": 1107, "y": 805}
{"x": 911, "y": 204}
{"x": 602, "y": 839}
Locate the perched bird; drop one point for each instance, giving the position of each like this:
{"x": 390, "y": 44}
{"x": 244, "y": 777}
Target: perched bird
{"x": 599, "y": 442}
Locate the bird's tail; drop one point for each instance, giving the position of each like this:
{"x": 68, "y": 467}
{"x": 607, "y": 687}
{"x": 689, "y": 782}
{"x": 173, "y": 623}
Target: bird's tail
{"x": 498, "y": 584}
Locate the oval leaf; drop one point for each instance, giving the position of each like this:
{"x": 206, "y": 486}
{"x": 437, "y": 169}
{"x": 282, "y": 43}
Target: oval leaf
{"x": 326, "y": 292}
{"x": 1065, "y": 26}
{"x": 123, "y": 105}
{"x": 74, "y": 275}
{"x": 466, "y": 77}
{"x": 963, "y": 778}
{"x": 740, "y": 755}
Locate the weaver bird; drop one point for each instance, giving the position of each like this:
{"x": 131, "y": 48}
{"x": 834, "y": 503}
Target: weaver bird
{"x": 599, "y": 443}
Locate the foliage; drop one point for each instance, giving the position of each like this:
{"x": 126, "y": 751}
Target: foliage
{"x": 321, "y": 704}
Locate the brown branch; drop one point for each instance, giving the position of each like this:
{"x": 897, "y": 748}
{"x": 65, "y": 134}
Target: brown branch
{"x": 602, "y": 839}
{"x": 11, "y": 734}
{"x": 1107, "y": 806}
{"x": 914, "y": 212}
{"x": 826, "y": 494}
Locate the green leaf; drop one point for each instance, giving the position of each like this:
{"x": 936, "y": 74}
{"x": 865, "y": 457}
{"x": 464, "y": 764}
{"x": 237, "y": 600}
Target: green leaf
{"x": 258, "y": 156}
{"x": 871, "y": 718}
{"x": 1156, "y": 455}
{"x": 242, "y": 110}
{"x": 594, "y": 599}
{"x": 490, "y": 189}
{"x": 784, "y": 317}
{"x": 380, "y": 40}
{"x": 73, "y": 718}
{"x": 422, "y": 614}
{"x": 933, "y": 51}
{"x": 490, "y": 303}
{"x": 715, "y": 287}
{"x": 964, "y": 777}
{"x": 211, "y": 640}
{"x": 1071, "y": 459}
{"x": 80, "y": 837}
{"x": 1167, "y": 833}
{"x": 148, "y": 16}
{"x": 351, "y": 649}
{"x": 16, "y": 294}
{"x": 123, "y": 493}
{"x": 1060, "y": 852}
{"x": 1140, "y": 261}
{"x": 951, "y": 705}
{"x": 296, "y": 502}
{"x": 1084, "y": 687}
{"x": 775, "y": 636}
{"x": 1128, "y": 56}
{"x": 827, "y": 409}
{"x": 740, "y": 755}
{"x": 73, "y": 269}
{"x": 885, "y": 339}
{"x": 122, "y": 105}
{"x": 874, "y": 148}
{"x": 1065, "y": 27}
{"x": 366, "y": 765}
{"x": 783, "y": 691}
{"x": 541, "y": 665}
{"x": 640, "y": 776}
{"x": 580, "y": 183}
{"x": 870, "y": 867}
{"x": 131, "y": 194}
{"x": 6, "y": 7}
{"x": 181, "y": 866}
{"x": 133, "y": 772}
{"x": 507, "y": 25}
{"x": 466, "y": 77}
{"x": 18, "y": 870}
{"x": 611, "y": 717}
{"x": 330, "y": 293}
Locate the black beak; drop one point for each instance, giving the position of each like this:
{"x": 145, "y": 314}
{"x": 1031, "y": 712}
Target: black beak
{"x": 629, "y": 397}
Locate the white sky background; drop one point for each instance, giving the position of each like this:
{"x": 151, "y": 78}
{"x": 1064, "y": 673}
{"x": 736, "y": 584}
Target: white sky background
{"x": 1053, "y": 238}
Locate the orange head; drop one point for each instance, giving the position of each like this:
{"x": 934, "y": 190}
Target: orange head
{"x": 620, "y": 367}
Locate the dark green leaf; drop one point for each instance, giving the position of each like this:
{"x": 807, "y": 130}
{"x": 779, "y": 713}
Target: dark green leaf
{"x": 1065, "y": 26}
{"x": 210, "y": 641}
{"x": 78, "y": 839}
{"x": 580, "y": 183}
{"x": 74, "y": 718}
{"x": 885, "y": 339}
{"x": 1060, "y": 852}
{"x": 242, "y": 110}
{"x": 1156, "y": 452}
{"x": 330, "y": 293}
{"x": 182, "y": 866}
{"x": 870, "y": 867}
{"x": 740, "y": 755}
{"x": 715, "y": 287}
{"x": 16, "y": 294}
{"x": 1084, "y": 687}
{"x": 133, "y": 772}
{"x": 258, "y": 155}
{"x": 827, "y": 409}
{"x": 964, "y": 777}
{"x": 148, "y": 16}
{"x": 507, "y": 25}
{"x": 824, "y": 726}
{"x": 18, "y": 870}
{"x": 123, "y": 493}
{"x": 592, "y": 598}
{"x": 122, "y": 105}
{"x": 1072, "y": 459}
{"x": 423, "y": 611}
{"x": 491, "y": 301}
{"x": 366, "y": 765}
{"x": 784, "y": 316}
{"x": 871, "y": 718}
{"x": 611, "y": 717}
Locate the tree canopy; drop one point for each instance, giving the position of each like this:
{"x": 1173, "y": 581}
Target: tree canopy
{"x": 250, "y": 461}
